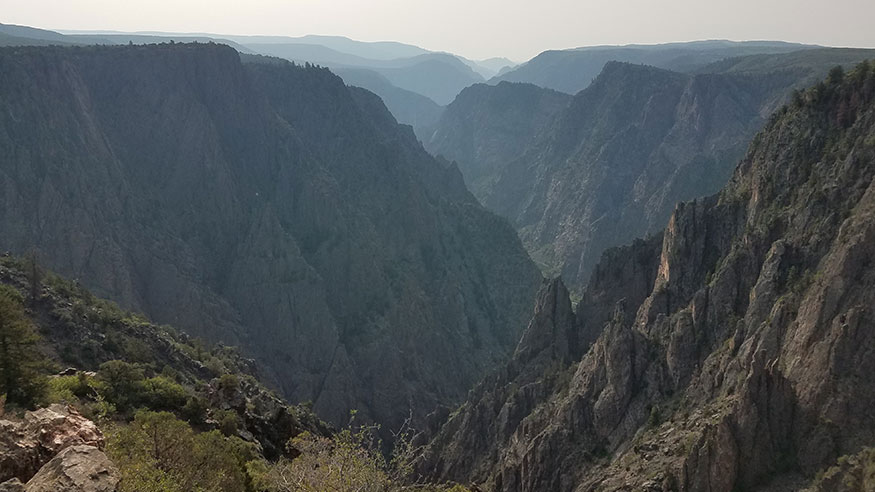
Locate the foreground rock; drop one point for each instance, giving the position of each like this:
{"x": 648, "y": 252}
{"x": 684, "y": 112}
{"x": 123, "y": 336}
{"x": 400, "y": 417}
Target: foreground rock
{"x": 27, "y": 445}
{"x": 76, "y": 469}
{"x": 13, "y": 485}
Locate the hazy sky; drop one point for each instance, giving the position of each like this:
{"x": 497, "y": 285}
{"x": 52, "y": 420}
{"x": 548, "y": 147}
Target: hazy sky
{"x": 518, "y": 29}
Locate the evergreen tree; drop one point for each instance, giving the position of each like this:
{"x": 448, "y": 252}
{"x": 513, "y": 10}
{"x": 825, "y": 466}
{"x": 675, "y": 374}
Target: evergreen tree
{"x": 20, "y": 361}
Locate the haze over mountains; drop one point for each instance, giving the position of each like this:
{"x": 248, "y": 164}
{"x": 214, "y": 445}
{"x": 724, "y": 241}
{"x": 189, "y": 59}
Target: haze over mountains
{"x": 413, "y": 82}
{"x": 369, "y": 225}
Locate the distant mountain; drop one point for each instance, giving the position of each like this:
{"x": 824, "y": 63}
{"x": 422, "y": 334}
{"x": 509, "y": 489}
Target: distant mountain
{"x": 488, "y": 68}
{"x": 25, "y": 32}
{"x": 732, "y": 351}
{"x": 380, "y": 50}
{"x": 406, "y": 106}
{"x": 313, "y": 53}
{"x": 7, "y": 40}
{"x": 29, "y": 36}
{"x": 610, "y": 165}
{"x": 572, "y": 70}
{"x": 497, "y": 64}
{"x": 265, "y": 205}
{"x": 438, "y": 76}
{"x": 486, "y": 127}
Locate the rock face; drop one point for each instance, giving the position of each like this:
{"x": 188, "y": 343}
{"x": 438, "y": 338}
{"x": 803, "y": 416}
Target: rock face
{"x": 743, "y": 367}
{"x": 268, "y": 206}
{"x": 577, "y": 177}
{"x": 76, "y": 469}
{"x": 54, "y": 449}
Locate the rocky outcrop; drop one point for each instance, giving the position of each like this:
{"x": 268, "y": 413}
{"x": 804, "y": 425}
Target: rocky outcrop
{"x": 468, "y": 444}
{"x": 268, "y": 206}
{"x": 76, "y": 469}
{"x": 745, "y": 366}
{"x": 54, "y": 449}
{"x": 267, "y": 420}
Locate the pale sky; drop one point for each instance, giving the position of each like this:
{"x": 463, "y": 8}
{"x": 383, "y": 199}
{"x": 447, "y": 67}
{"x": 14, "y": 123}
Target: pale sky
{"x": 518, "y": 29}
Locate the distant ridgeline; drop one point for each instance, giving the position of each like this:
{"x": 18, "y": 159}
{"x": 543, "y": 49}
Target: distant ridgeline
{"x": 268, "y": 206}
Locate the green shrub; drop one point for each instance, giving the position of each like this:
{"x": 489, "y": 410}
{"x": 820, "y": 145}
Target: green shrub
{"x": 121, "y": 383}
{"x": 229, "y": 422}
{"x": 159, "y": 452}
{"x": 195, "y": 410}
{"x": 160, "y": 393}
{"x": 229, "y": 383}
{"x": 67, "y": 389}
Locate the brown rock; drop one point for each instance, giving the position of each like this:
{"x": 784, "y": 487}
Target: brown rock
{"x": 27, "y": 445}
{"x": 13, "y": 485}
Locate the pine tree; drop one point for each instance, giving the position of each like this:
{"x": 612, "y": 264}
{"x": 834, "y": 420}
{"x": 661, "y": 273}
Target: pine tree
{"x": 20, "y": 361}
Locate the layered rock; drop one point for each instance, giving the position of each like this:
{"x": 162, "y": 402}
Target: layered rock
{"x": 744, "y": 367}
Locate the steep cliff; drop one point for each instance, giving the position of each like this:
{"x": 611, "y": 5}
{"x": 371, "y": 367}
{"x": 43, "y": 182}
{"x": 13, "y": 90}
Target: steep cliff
{"x": 264, "y": 205}
{"x": 744, "y": 366}
{"x": 578, "y": 177}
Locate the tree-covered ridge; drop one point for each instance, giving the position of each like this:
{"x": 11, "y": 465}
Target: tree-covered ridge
{"x": 121, "y": 362}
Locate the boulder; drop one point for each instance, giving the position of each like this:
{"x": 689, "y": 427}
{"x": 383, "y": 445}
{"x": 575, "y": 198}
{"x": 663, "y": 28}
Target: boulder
{"x": 58, "y": 427}
{"x": 79, "y": 468}
{"x": 27, "y": 445}
{"x": 13, "y": 485}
